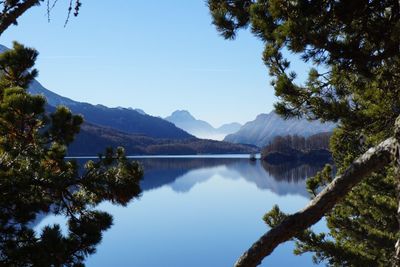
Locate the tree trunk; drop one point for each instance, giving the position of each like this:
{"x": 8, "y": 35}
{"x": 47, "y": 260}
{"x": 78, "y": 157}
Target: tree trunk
{"x": 396, "y": 262}
{"x": 396, "y": 155}
{"x": 372, "y": 160}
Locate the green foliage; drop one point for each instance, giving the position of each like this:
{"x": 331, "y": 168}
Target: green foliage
{"x": 274, "y": 217}
{"x": 321, "y": 179}
{"x": 352, "y": 51}
{"x": 35, "y": 177}
{"x": 16, "y": 66}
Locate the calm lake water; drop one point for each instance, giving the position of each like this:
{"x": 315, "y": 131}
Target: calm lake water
{"x": 201, "y": 211}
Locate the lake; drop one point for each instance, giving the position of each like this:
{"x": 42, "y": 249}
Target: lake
{"x": 201, "y": 211}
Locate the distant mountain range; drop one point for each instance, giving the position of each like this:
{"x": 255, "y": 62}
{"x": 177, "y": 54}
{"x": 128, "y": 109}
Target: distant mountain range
{"x": 137, "y": 132}
{"x": 141, "y": 133}
{"x": 126, "y": 120}
{"x": 266, "y": 127}
{"x": 122, "y": 119}
{"x": 199, "y": 128}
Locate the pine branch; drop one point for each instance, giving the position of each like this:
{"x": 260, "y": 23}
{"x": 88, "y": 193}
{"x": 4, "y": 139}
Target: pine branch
{"x": 372, "y": 160}
{"x": 8, "y": 18}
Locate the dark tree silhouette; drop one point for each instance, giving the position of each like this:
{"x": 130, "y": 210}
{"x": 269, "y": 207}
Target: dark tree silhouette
{"x": 352, "y": 49}
{"x": 35, "y": 177}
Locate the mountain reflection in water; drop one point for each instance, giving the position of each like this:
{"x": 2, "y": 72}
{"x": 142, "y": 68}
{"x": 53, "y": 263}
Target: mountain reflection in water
{"x": 281, "y": 179}
{"x": 196, "y": 205}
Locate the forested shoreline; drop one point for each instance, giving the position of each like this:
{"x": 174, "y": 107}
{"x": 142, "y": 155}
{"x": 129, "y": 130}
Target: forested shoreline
{"x": 294, "y": 148}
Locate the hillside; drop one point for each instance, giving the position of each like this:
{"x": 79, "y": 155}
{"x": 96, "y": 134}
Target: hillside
{"x": 121, "y": 119}
{"x": 266, "y": 127}
{"x": 94, "y": 139}
{"x": 128, "y": 120}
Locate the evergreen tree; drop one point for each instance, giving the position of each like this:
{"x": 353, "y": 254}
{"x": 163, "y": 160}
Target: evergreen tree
{"x": 36, "y": 178}
{"x": 352, "y": 48}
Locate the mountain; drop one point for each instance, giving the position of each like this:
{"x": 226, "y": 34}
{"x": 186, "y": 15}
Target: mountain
{"x": 184, "y": 120}
{"x": 199, "y": 128}
{"x": 265, "y": 127}
{"x": 137, "y": 131}
{"x": 122, "y": 119}
{"x": 141, "y": 111}
{"x": 127, "y": 120}
{"x": 93, "y": 139}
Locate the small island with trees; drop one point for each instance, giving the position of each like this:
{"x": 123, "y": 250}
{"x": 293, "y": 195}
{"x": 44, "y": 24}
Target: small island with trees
{"x": 294, "y": 148}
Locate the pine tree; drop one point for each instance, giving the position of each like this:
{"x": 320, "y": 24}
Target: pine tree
{"x": 36, "y": 178}
{"x": 352, "y": 48}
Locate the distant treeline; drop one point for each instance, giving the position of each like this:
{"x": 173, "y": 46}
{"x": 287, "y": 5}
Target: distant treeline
{"x": 298, "y": 148}
{"x": 304, "y": 144}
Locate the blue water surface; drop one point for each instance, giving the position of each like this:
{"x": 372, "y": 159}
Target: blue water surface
{"x": 201, "y": 212}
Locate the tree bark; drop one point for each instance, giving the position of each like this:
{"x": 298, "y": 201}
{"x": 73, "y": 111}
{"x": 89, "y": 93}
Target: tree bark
{"x": 10, "y": 17}
{"x": 396, "y": 156}
{"x": 372, "y": 160}
{"x": 396, "y": 261}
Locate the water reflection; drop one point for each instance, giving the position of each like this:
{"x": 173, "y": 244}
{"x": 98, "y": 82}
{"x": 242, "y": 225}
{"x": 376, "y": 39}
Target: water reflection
{"x": 31, "y": 192}
{"x": 200, "y": 212}
{"x": 162, "y": 171}
{"x": 291, "y": 172}
{"x": 281, "y": 179}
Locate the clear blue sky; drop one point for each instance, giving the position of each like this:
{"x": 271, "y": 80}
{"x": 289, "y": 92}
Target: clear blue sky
{"x": 156, "y": 55}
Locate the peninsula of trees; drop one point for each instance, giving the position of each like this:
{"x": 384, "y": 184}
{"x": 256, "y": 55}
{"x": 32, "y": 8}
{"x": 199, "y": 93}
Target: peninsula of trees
{"x": 294, "y": 148}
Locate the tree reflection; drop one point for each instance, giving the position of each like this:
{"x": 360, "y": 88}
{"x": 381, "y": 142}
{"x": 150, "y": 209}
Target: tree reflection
{"x": 278, "y": 178}
{"x": 292, "y": 172}
{"x": 20, "y": 245}
{"x": 35, "y": 177}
